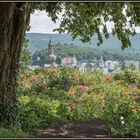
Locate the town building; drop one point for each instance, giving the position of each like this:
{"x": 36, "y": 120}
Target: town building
{"x": 34, "y": 67}
{"x": 69, "y": 61}
{"x": 87, "y": 66}
{"x": 111, "y": 65}
{"x": 54, "y": 64}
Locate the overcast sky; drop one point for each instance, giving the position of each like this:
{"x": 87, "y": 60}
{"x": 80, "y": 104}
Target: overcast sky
{"x": 41, "y": 23}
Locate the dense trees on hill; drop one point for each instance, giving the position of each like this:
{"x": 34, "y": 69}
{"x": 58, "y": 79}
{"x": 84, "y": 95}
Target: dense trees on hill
{"x": 82, "y": 53}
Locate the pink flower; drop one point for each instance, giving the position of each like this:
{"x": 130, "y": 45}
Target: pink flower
{"x": 34, "y": 78}
{"x": 108, "y": 77}
{"x": 84, "y": 88}
{"x": 26, "y": 82}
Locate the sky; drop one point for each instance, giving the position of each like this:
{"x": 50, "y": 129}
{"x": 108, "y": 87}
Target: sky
{"x": 41, "y": 23}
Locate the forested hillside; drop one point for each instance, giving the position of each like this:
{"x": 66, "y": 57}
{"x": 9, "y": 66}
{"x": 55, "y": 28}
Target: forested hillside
{"x": 83, "y": 53}
{"x": 65, "y": 46}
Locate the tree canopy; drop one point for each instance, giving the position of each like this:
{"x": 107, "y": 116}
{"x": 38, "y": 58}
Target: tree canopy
{"x": 86, "y": 19}
{"x": 78, "y": 19}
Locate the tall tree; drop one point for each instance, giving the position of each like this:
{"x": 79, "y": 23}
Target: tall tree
{"x": 14, "y": 17}
{"x": 79, "y": 19}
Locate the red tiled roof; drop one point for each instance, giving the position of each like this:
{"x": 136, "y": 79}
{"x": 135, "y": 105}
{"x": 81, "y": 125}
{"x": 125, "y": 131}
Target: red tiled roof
{"x": 68, "y": 59}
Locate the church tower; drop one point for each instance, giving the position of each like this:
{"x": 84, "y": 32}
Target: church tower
{"x": 52, "y": 57}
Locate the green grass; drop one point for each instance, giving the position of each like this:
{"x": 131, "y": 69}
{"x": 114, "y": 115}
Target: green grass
{"x": 8, "y": 133}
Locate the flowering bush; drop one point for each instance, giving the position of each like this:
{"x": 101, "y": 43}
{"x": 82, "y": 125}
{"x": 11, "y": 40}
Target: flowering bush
{"x": 120, "y": 113}
{"x": 128, "y": 76}
{"x": 62, "y": 94}
{"x": 36, "y": 113}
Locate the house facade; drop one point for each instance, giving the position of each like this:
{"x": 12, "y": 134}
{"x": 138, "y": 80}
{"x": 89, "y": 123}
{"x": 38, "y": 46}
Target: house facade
{"x": 69, "y": 61}
{"x": 111, "y": 65}
{"x": 87, "y": 66}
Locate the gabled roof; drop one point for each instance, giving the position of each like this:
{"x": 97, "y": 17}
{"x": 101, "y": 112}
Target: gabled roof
{"x": 69, "y": 59}
{"x": 84, "y": 64}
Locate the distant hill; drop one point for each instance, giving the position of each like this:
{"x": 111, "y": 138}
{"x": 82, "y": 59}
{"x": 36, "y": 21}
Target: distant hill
{"x": 39, "y": 41}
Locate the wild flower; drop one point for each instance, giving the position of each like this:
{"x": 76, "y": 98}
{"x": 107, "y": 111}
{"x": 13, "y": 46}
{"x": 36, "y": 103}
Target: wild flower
{"x": 135, "y": 110}
{"x": 34, "y": 78}
{"x": 122, "y": 122}
{"x": 108, "y": 77}
{"x": 121, "y": 118}
{"x": 84, "y": 88}
{"x": 26, "y": 82}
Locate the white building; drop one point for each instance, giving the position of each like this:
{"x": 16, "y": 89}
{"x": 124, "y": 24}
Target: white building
{"x": 33, "y": 67}
{"x": 111, "y": 65}
{"x": 69, "y": 62}
{"x": 54, "y": 64}
{"x": 85, "y": 66}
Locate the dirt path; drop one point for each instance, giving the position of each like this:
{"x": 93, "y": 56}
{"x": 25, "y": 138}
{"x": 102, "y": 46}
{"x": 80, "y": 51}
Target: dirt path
{"x": 90, "y": 129}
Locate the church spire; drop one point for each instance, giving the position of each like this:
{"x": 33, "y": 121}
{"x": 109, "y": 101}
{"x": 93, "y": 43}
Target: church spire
{"x": 52, "y": 57}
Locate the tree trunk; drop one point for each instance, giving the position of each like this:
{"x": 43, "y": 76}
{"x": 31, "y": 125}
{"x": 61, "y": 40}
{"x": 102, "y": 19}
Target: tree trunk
{"x": 14, "y": 18}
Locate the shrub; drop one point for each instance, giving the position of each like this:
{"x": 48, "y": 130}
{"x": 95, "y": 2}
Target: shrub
{"x": 35, "y": 113}
{"x": 63, "y": 94}
{"x": 128, "y": 76}
{"x": 122, "y": 121}
{"x": 89, "y": 107}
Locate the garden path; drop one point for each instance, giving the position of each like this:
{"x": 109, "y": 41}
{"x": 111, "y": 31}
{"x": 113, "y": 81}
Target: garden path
{"x": 90, "y": 129}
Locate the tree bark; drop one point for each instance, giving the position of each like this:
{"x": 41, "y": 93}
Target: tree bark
{"x": 14, "y": 18}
